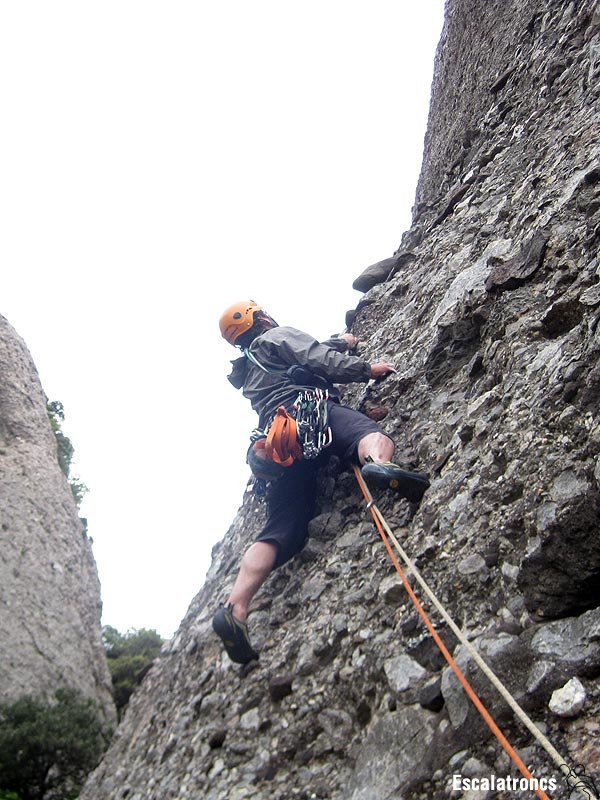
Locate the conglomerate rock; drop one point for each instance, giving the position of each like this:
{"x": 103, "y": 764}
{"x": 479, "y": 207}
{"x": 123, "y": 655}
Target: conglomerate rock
{"x": 49, "y": 590}
{"x": 493, "y": 324}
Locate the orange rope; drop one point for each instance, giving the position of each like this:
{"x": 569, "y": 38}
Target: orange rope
{"x": 456, "y": 669}
{"x": 282, "y": 444}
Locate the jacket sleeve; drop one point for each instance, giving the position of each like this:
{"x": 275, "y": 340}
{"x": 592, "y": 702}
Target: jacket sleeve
{"x": 295, "y": 347}
{"x": 341, "y": 345}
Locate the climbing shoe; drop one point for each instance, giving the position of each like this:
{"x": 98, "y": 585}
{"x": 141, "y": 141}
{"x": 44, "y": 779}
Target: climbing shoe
{"x": 234, "y": 635}
{"x": 411, "y": 485}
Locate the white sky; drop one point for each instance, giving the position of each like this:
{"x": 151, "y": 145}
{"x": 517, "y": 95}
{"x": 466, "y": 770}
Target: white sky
{"x": 158, "y": 162}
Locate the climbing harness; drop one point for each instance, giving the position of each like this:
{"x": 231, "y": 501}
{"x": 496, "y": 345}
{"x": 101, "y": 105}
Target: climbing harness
{"x": 263, "y": 467}
{"x": 574, "y": 780}
{"x": 301, "y": 432}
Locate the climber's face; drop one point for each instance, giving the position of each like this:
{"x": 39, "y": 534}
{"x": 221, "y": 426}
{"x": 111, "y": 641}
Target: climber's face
{"x": 265, "y": 321}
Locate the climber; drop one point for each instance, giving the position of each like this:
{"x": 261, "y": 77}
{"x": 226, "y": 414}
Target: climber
{"x": 282, "y": 368}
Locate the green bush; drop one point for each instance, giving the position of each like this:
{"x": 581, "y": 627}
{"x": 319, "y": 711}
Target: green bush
{"x": 48, "y": 748}
{"x": 64, "y": 450}
{"x": 129, "y": 657}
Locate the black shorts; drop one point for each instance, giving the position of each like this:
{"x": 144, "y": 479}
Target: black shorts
{"x": 348, "y": 427}
{"x": 291, "y": 499}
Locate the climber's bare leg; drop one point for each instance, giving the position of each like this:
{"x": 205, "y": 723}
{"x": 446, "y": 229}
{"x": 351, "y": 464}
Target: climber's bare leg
{"x": 257, "y": 564}
{"x": 376, "y": 445}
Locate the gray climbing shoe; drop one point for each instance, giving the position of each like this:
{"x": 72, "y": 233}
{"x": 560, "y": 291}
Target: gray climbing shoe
{"x": 234, "y": 635}
{"x": 411, "y": 485}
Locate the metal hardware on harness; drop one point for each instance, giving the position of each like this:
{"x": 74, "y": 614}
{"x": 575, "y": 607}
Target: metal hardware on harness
{"x": 257, "y": 434}
{"x": 312, "y": 421}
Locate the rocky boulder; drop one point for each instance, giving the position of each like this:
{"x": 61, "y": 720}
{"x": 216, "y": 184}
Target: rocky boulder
{"x": 49, "y": 590}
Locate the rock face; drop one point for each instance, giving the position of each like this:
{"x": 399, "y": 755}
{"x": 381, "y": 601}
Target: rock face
{"x": 490, "y": 309}
{"x": 49, "y": 590}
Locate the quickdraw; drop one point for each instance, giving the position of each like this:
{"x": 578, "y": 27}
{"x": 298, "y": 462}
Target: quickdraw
{"x": 312, "y": 421}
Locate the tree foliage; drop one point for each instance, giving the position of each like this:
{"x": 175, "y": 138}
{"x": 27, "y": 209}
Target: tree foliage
{"x": 48, "y": 748}
{"x": 64, "y": 449}
{"x": 129, "y": 657}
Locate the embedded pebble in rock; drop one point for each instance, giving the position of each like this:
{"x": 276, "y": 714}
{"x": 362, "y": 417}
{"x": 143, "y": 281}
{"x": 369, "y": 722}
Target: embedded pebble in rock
{"x": 402, "y": 672}
{"x": 431, "y": 697}
{"x": 457, "y": 702}
{"x": 488, "y": 310}
{"x": 280, "y": 686}
{"x": 566, "y": 486}
{"x": 473, "y": 768}
{"x": 471, "y": 564}
{"x": 391, "y": 590}
{"x": 540, "y": 672}
{"x": 572, "y": 640}
{"x": 569, "y": 700}
{"x": 510, "y": 571}
{"x": 457, "y": 760}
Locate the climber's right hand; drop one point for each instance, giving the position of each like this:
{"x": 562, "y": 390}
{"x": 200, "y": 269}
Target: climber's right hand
{"x": 381, "y": 369}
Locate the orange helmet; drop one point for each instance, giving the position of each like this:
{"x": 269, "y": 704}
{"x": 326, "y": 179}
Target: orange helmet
{"x": 238, "y": 319}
